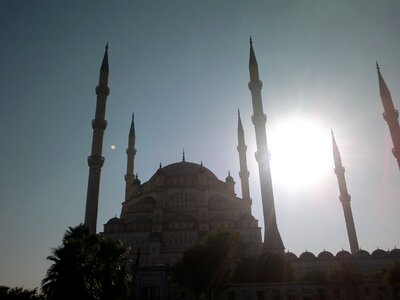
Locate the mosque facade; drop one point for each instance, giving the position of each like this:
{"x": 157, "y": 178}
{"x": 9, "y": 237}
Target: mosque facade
{"x": 181, "y": 202}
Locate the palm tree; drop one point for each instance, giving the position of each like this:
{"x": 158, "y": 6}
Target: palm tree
{"x": 19, "y": 293}
{"x": 86, "y": 266}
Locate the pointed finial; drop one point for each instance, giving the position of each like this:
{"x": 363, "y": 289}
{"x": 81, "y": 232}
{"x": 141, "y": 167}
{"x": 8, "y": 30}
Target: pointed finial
{"x": 238, "y": 112}
{"x": 104, "y": 64}
{"x": 201, "y": 163}
{"x": 377, "y": 66}
{"x": 253, "y": 64}
{"x": 160, "y": 166}
{"x": 183, "y": 155}
{"x": 132, "y": 130}
{"x": 332, "y": 132}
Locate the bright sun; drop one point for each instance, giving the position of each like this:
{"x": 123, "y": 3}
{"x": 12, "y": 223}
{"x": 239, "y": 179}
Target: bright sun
{"x": 301, "y": 152}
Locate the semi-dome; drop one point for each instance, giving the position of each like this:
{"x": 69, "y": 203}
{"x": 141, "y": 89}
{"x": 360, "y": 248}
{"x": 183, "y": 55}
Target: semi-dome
{"x": 379, "y": 253}
{"x": 343, "y": 254}
{"x": 395, "y": 253}
{"x": 326, "y": 255}
{"x": 114, "y": 220}
{"x": 307, "y": 255}
{"x": 362, "y": 253}
{"x": 290, "y": 256}
{"x": 185, "y": 168}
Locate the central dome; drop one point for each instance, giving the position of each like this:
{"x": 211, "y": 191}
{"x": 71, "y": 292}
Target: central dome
{"x": 185, "y": 169}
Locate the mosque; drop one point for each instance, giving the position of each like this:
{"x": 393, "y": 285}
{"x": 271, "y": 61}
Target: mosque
{"x": 181, "y": 202}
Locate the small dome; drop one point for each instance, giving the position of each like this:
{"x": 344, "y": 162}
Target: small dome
{"x": 290, "y": 256}
{"x": 229, "y": 178}
{"x": 361, "y": 253}
{"x": 307, "y": 255}
{"x": 114, "y": 220}
{"x": 394, "y": 253}
{"x": 136, "y": 181}
{"x": 379, "y": 253}
{"x": 326, "y": 255}
{"x": 343, "y": 254}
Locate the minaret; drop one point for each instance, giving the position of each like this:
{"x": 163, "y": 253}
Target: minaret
{"x": 344, "y": 197}
{"x": 244, "y": 172}
{"x": 96, "y": 160}
{"x": 130, "y": 162}
{"x": 272, "y": 238}
{"x": 391, "y": 115}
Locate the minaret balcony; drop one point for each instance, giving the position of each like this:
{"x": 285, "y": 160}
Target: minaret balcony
{"x": 345, "y": 198}
{"x": 339, "y": 170}
{"x": 391, "y": 115}
{"x": 99, "y": 124}
{"x": 102, "y": 90}
{"x": 96, "y": 160}
{"x": 259, "y": 118}
{"x": 262, "y": 157}
{"x": 255, "y": 84}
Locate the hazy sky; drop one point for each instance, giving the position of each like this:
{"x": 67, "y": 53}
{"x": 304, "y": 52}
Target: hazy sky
{"x": 182, "y": 67}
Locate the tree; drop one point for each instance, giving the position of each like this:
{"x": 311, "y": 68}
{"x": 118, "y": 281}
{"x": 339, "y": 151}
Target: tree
{"x": 266, "y": 267}
{"x": 19, "y": 293}
{"x": 208, "y": 266}
{"x": 346, "y": 275}
{"x": 392, "y": 277}
{"x": 88, "y": 267}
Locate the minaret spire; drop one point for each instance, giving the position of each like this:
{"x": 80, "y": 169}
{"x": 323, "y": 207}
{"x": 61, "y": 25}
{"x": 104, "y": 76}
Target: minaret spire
{"x": 130, "y": 152}
{"x": 344, "y": 197}
{"x": 391, "y": 115}
{"x": 272, "y": 239}
{"x": 244, "y": 172}
{"x": 96, "y": 160}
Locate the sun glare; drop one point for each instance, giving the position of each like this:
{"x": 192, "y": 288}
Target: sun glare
{"x": 301, "y": 152}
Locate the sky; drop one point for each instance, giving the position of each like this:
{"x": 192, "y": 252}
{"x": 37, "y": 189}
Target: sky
{"x": 182, "y": 68}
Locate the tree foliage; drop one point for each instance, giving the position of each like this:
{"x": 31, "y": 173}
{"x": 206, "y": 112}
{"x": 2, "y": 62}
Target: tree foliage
{"x": 392, "y": 277}
{"x": 266, "y": 267}
{"x": 86, "y": 266}
{"x": 208, "y": 266}
{"x": 19, "y": 293}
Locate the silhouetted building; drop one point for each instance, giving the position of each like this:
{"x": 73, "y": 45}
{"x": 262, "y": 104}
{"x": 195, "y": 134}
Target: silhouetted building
{"x": 181, "y": 202}
{"x": 344, "y": 197}
{"x": 96, "y": 160}
{"x": 391, "y": 115}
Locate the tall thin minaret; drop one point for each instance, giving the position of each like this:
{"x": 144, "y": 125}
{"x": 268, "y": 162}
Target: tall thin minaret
{"x": 244, "y": 172}
{"x": 96, "y": 160}
{"x": 391, "y": 115}
{"x": 130, "y": 152}
{"x": 272, "y": 238}
{"x": 344, "y": 197}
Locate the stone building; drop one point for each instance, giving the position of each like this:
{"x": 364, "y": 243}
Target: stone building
{"x": 172, "y": 210}
{"x": 181, "y": 202}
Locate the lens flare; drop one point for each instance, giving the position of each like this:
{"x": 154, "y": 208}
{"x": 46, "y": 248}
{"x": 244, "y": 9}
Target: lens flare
{"x": 301, "y": 152}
